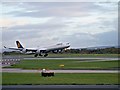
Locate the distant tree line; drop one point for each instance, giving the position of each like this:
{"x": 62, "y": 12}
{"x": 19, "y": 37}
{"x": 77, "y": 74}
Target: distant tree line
{"x": 111, "y": 50}
{"x": 11, "y": 53}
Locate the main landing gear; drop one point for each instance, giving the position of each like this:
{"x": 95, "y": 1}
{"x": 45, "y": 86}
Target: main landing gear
{"x": 45, "y": 55}
{"x": 35, "y": 55}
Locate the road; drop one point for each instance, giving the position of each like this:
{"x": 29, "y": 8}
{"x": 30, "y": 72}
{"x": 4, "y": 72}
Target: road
{"x": 78, "y": 58}
{"x": 54, "y": 58}
{"x": 57, "y": 71}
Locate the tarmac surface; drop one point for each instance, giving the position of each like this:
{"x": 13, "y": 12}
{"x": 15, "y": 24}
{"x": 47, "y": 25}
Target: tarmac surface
{"x": 59, "y": 58}
{"x": 78, "y": 58}
{"x": 57, "y": 71}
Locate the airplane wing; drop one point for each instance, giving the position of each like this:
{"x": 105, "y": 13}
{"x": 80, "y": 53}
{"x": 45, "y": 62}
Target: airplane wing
{"x": 32, "y": 50}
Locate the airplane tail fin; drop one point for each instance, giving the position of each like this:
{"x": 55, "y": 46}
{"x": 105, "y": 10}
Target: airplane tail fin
{"x": 5, "y": 47}
{"x": 18, "y": 44}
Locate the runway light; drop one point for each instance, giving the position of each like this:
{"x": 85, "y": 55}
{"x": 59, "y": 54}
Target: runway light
{"x": 61, "y": 65}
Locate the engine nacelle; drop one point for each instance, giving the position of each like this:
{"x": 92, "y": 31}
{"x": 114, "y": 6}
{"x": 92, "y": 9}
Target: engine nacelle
{"x": 39, "y": 51}
{"x": 24, "y": 50}
{"x": 57, "y": 51}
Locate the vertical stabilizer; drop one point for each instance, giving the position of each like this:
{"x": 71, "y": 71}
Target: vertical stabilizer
{"x": 18, "y": 44}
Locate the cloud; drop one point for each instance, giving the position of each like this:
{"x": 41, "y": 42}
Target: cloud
{"x": 41, "y": 27}
{"x": 79, "y": 40}
{"x": 21, "y": 21}
{"x": 8, "y": 22}
{"x": 56, "y": 9}
{"x": 82, "y": 24}
{"x": 90, "y": 40}
{"x": 38, "y": 38}
{"x": 107, "y": 38}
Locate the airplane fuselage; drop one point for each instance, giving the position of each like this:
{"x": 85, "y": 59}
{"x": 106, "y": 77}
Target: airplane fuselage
{"x": 41, "y": 51}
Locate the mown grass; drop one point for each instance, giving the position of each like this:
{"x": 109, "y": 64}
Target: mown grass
{"x": 68, "y": 64}
{"x": 58, "y": 79}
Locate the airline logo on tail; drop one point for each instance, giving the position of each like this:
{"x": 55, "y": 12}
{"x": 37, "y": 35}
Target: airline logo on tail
{"x": 18, "y": 44}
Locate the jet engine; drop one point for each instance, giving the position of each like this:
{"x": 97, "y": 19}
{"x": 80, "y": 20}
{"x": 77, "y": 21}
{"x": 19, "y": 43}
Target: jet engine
{"x": 57, "y": 51}
{"x": 38, "y": 51}
{"x": 24, "y": 50}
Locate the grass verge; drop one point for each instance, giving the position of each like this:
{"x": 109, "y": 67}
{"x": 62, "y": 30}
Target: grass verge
{"x": 58, "y": 79}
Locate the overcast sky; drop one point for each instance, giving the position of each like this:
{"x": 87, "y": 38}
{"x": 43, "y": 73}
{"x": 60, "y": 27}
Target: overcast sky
{"x": 39, "y": 24}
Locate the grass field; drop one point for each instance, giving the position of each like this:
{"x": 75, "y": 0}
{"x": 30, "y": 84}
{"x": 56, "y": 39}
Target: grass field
{"x": 68, "y": 64}
{"x": 63, "y": 78}
{"x": 66, "y": 79}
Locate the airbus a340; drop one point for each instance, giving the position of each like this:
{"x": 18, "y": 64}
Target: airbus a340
{"x": 58, "y": 48}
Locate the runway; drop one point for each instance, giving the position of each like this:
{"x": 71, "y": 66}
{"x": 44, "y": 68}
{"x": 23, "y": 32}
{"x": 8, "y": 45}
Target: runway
{"x": 9, "y": 70}
{"x": 77, "y": 58}
{"x": 8, "y": 57}
{"x": 72, "y": 58}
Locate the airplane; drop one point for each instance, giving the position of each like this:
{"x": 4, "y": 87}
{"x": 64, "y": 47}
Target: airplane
{"x": 58, "y": 48}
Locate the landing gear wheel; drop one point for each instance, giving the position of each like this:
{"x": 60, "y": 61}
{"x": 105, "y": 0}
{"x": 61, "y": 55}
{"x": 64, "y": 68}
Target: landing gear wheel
{"x": 46, "y": 55}
{"x": 40, "y": 55}
{"x": 35, "y": 55}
